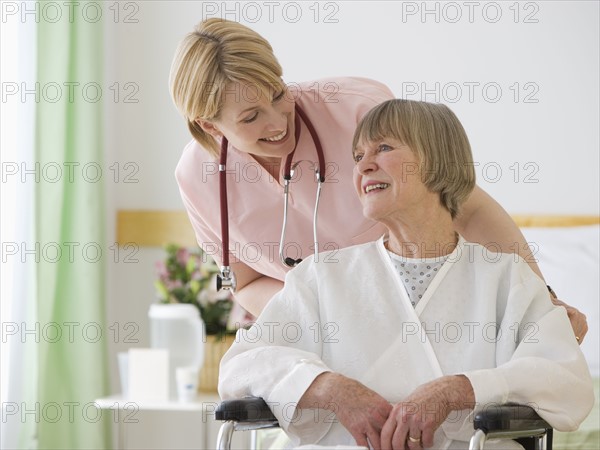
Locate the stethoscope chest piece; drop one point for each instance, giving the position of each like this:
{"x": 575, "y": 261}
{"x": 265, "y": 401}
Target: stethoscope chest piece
{"x": 226, "y": 279}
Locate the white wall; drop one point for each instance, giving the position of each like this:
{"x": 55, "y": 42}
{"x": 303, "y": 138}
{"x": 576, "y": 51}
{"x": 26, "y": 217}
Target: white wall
{"x": 545, "y": 142}
{"x": 553, "y": 62}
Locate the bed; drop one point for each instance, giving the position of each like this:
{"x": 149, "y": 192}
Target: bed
{"x": 569, "y": 259}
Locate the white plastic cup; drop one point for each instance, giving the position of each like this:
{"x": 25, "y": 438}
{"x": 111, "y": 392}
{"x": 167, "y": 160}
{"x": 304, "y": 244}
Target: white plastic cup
{"x": 123, "y": 362}
{"x": 186, "y": 379}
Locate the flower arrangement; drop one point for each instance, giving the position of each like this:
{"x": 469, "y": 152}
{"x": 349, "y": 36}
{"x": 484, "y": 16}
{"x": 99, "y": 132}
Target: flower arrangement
{"x": 188, "y": 276}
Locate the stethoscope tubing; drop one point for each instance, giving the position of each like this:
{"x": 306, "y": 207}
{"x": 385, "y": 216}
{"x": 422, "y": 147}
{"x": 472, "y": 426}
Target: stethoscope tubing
{"x": 226, "y": 280}
{"x": 315, "y": 216}
{"x": 286, "y": 188}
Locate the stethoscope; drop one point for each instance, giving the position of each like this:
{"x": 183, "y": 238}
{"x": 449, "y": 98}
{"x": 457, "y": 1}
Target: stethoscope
{"x": 226, "y": 279}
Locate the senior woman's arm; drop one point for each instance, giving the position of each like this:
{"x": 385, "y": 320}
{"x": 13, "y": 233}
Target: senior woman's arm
{"x": 369, "y": 416}
{"x": 362, "y": 411}
{"x": 423, "y": 411}
{"x": 279, "y": 357}
{"x": 484, "y": 221}
{"x": 543, "y": 348}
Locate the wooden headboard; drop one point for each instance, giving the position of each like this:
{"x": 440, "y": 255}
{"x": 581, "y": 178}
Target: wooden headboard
{"x": 153, "y": 228}
{"x": 148, "y": 228}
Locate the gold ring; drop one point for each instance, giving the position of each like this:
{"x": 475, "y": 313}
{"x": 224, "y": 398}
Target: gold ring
{"x": 412, "y": 439}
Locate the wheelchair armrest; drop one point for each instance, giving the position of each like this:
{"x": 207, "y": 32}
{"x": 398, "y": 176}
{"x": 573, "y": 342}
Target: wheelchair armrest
{"x": 244, "y": 414}
{"x": 249, "y": 409}
{"x": 511, "y": 421}
{"x": 509, "y": 418}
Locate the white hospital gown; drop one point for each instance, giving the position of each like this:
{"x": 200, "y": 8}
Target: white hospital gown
{"x": 484, "y": 315}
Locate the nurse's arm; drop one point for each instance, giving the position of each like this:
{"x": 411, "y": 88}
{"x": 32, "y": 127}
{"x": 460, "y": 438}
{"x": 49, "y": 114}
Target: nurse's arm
{"x": 254, "y": 290}
{"x": 484, "y": 221}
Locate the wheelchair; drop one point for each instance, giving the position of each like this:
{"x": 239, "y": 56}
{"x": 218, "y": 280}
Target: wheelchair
{"x": 510, "y": 421}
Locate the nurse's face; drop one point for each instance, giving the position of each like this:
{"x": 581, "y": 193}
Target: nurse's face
{"x": 253, "y": 123}
{"x": 387, "y": 178}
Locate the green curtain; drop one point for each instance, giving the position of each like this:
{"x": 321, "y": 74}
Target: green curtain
{"x": 70, "y": 215}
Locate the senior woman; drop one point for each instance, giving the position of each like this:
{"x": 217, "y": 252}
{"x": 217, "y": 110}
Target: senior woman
{"x": 394, "y": 343}
{"x": 227, "y": 83}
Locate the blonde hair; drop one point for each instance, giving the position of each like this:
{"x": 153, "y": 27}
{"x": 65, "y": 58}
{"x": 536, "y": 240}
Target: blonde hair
{"x": 219, "y": 52}
{"x": 437, "y": 137}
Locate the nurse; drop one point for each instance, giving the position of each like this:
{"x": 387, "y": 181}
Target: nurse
{"x": 226, "y": 82}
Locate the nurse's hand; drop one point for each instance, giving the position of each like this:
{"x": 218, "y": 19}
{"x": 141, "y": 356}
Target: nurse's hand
{"x": 577, "y": 318}
{"x": 412, "y": 423}
{"x": 362, "y": 411}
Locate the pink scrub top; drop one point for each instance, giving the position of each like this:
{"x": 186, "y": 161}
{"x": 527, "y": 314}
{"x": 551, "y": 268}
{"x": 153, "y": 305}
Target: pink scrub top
{"x": 256, "y": 200}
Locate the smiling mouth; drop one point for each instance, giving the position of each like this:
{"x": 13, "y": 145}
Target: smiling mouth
{"x": 277, "y": 138}
{"x": 373, "y": 187}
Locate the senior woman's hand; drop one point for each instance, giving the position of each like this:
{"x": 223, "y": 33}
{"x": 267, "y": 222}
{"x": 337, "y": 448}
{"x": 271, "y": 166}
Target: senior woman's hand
{"x": 362, "y": 411}
{"x": 412, "y": 423}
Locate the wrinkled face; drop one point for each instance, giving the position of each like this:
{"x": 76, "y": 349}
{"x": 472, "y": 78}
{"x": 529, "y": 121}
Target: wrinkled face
{"x": 253, "y": 123}
{"x": 387, "y": 179}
